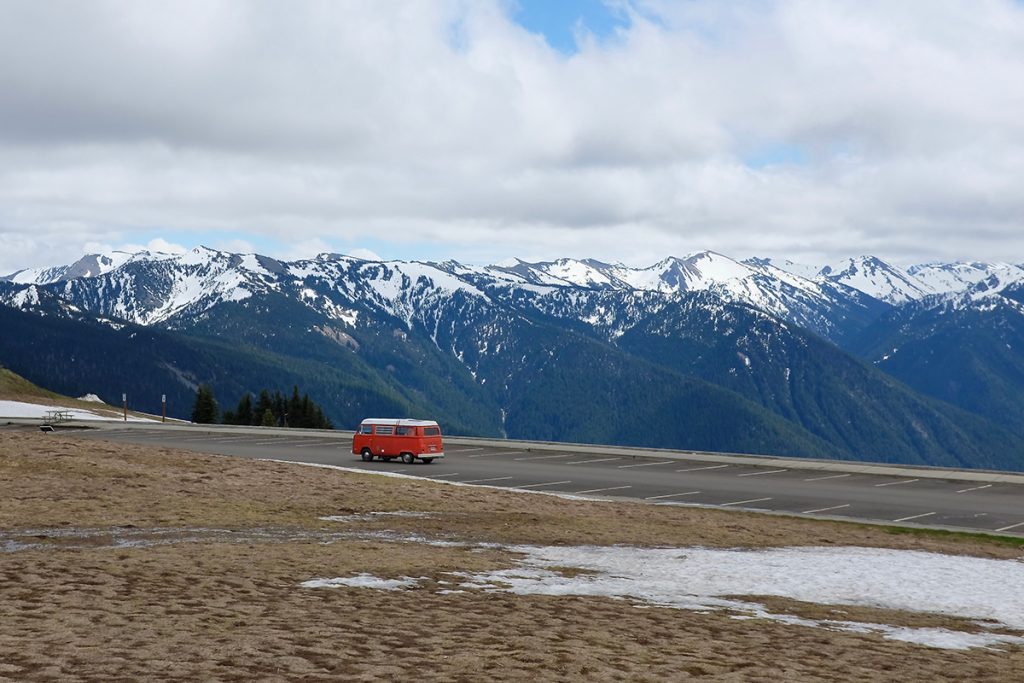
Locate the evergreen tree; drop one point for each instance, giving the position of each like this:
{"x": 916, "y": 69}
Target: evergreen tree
{"x": 295, "y": 409}
{"x": 205, "y": 410}
{"x": 268, "y": 419}
{"x": 264, "y": 404}
{"x": 280, "y": 409}
{"x": 244, "y": 414}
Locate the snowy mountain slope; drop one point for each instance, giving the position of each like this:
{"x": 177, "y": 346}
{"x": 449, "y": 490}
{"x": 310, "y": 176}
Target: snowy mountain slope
{"x": 90, "y": 265}
{"x": 878, "y": 279}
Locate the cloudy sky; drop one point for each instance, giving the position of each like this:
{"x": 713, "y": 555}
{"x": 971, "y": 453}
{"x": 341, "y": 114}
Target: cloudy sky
{"x": 624, "y": 130}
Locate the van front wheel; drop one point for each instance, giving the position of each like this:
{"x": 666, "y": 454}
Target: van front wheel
{"x": 408, "y": 458}
{"x": 367, "y": 455}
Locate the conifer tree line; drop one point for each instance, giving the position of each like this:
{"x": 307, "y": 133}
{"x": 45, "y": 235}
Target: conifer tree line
{"x": 268, "y": 410}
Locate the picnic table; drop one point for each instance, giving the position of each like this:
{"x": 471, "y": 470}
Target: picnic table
{"x": 56, "y": 416}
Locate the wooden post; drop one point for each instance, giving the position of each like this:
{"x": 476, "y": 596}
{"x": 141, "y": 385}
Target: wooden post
{"x": 124, "y": 402}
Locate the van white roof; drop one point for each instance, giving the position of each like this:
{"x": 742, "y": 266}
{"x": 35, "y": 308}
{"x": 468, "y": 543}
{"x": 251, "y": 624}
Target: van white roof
{"x": 403, "y": 421}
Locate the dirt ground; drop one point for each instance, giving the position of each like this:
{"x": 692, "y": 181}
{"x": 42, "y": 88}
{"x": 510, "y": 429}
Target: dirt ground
{"x": 124, "y": 562}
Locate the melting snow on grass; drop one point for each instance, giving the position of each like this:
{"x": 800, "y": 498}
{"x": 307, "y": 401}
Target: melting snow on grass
{"x": 700, "y": 578}
{"x": 35, "y": 410}
{"x": 362, "y": 581}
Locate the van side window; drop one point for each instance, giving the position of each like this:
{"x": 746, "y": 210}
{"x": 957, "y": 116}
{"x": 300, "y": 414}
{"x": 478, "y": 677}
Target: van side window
{"x": 386, "y": 431}
{"x": 403, "y": 431}
{"x": 431, "y": 431}
{"x": 366, "y": 429}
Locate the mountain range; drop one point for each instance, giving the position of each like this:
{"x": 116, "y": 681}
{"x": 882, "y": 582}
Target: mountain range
{"x": 859, "y": 359}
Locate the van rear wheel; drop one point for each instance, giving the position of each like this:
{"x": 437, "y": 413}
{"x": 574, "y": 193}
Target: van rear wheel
{"x": 367, "y": 455}
{"x": 408, "y": 458}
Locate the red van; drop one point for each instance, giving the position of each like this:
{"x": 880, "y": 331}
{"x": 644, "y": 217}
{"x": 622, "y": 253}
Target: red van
{"x": 388, "y": 438}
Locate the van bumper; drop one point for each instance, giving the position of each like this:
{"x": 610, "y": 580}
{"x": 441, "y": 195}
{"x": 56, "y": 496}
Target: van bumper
{"x": 431, "y": 455}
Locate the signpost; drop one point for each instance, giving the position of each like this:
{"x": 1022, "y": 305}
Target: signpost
{"x": 124, "y": 402}
{"x": 163, "y": 404}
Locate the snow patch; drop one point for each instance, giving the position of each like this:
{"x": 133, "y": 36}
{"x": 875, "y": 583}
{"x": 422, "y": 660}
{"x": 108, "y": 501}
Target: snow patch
{"x": 37, "y": 411}
{"x": 697, "y": 578}
{"x": 363, "y": 581}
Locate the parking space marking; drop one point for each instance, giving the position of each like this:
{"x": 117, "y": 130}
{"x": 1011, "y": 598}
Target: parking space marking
{"x": 697, "y": 469}
{"x": 581, "y": 462}
{"x": 975, "y": 488}
{"x": 755, "y": 474}
{"x": 488, "y": 455}
{"x": 610, "y": 488}
{"x": 480, "y": 481}
{"x": 547, "y": 483}
{"x": 648, "y": 464}
{"x": 897, "y": 483}
{"x": 438, "y": 476}
{"x": 831, "y": 476}
{"x": 466, "y": 450}
{"x": 834, "y": 507}
{"x": 905, "y": 519}
{"x": 550, "y": 457}
{"x": 319, "y": 443}
{"x": 672, "y": 495}
{"x": 742, "y": 502}
{"x": 1012, "y": 526}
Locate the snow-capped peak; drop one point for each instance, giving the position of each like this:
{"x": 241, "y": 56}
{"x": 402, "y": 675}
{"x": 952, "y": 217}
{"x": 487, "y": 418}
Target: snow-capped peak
{"x": 877, "y": 278}
{"x": 958, "y": 277}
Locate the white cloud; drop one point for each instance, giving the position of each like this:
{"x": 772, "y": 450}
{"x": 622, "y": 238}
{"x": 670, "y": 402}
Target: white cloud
{"x": 317, "y": 124}
{"x": 365, "y": 254}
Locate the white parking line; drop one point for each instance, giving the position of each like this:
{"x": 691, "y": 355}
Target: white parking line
{"x": 897, "y": 483}
{"x": 438, "y": 476}
{"x": 321, "y": 443}
{"x": 711, "y": 467}
{"x": 487, "y": 455}
{"x": 581, "y": 462}
{"x": 975, "y": 488}
{"x": 756, "y": 474}
{"x": 465, "y": 450}
{"x": 741, "y": 502}
{"x": 1012, "y": 526}
{"x": 834, "y": 507}
{"x": 480, "y": 481}
{"x": 831, "y": 476}
{"x": 611, "y": 488}
{"x": 923, "y": 514}
{"x": 672, "y": 495}
{"x": 547, "y": 483}
{"x": 648, "y": 464}
{"x": 549, "y": 457}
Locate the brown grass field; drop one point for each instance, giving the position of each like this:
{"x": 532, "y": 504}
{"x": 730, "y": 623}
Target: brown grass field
{"x": 122, "y": 563}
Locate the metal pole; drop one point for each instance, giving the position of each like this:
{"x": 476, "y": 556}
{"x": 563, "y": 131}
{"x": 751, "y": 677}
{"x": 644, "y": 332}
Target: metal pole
{"x": 163, "y": 403}
{"x": 124, "y": 402}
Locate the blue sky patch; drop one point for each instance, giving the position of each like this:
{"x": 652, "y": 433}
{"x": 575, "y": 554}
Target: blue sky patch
{"x": 559, "y": 20}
